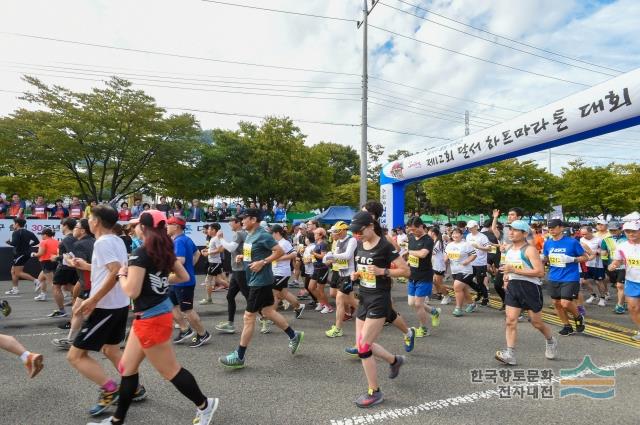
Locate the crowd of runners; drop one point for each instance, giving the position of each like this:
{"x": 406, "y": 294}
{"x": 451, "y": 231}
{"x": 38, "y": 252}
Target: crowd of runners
{"x": 91, "y": 271}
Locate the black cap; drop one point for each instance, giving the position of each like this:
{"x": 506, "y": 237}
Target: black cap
{"x": 250, "y": 212}
{"x": 360, "y": 221}
{"x": 555, "y": 222}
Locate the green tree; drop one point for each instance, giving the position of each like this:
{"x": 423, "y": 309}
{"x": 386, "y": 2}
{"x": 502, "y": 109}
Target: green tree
{"x": 349, "y": 193}
{"x": 501, "y": 185}
{"x": 110, "y": 143}
{"x": 343, "y": 161}
{"x": 374, "y": 161}
{"x": 591, "y": 191}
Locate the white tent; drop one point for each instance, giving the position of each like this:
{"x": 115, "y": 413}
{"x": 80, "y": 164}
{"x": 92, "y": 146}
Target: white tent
{"x": 634, "y": 216}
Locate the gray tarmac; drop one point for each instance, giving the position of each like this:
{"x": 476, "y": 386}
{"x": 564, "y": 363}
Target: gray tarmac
{"x": 318, "y": 385}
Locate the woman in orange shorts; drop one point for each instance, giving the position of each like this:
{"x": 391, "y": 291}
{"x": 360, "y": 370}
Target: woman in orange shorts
{"x": 152, "y": 268}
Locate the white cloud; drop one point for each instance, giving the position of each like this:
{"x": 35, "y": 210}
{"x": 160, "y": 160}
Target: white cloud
{"x": 602, "y": 33}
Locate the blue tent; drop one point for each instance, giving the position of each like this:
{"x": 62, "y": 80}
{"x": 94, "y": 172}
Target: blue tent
{"x": 334, "y": 214}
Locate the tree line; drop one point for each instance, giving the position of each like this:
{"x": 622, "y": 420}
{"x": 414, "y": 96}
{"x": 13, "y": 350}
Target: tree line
{"x": 116, "y": 141}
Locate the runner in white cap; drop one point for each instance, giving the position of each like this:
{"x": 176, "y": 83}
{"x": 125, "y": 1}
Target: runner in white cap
{"x": 628, "y": 254}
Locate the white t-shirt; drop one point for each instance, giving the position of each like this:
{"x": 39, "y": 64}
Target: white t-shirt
{"x": 108, "y": 249}
{"x": 437, "y": 258}
{"x": 308, "y": 259}
{"x": 458, "y": 252}
{"x": 594, "y": 245}
{"x": 403, "y": 242}
{"x": 283, "y": 268}
{"x": 482, "y": 240}
{"x": 629, "y": 254}
{"x": 214, "y": 244}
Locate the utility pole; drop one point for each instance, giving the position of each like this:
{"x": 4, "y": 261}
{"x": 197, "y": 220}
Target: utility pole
{"x": 365, "y": 88}
{"x": 466, "y": 123}
{"x": 549, "y": 160}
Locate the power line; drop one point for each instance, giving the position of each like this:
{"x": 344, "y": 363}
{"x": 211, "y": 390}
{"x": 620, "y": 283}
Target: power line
{"x": 498, "y": 119}
{"x": 445, "y": 95}
{"x": 515, "y": 68}
{"x": 264, "y": 9}
{"x": 175, "y": 55}
{"x": 456, "y": 121}
{"x": 101, "y": 74}
{"x": 509, "y": 39}
{"x": 201, "y": 89}
{"x": 458, "y": 113}
{"x": 497, "y": 43}
{"x": 260, "y": 116}
{"x": 196, "y": 80}
{"x": 408, "y": 134}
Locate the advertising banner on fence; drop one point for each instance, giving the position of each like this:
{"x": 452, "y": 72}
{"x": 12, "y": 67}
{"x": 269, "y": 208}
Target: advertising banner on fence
{"x": 193, "y": 230}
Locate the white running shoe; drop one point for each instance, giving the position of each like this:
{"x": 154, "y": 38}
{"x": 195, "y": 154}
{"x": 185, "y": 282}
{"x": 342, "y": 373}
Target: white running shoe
{"x": 551, "y": 349}
{"x": 602, "y": 303}
{"x": 12, "y": 291}
{"x": 285, "y": 305}
{"x": 327, "y": 309}
{"x": 590, "y": 300}
{"x": 37, "y": 285}
{"x": 204, "y": 417}
{"x": 40, "y": 297}
{"x": 319, "y": 307}
{"x": 445, "y": 300}
{"x": 607, "y": 297}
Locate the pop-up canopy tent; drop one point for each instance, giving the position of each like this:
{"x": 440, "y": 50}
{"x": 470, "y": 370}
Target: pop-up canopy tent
{"x": 334, "y": 214}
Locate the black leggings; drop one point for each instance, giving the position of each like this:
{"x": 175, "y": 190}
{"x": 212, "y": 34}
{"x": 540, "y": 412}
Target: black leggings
{"x": 499, "y": 285}
{"x": 237, "y": 284}
{"x": 307, "y": 279}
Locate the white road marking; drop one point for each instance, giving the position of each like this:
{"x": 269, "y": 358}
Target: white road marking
{"x": 383, "y": 415}
{"x": 42, "y": 334}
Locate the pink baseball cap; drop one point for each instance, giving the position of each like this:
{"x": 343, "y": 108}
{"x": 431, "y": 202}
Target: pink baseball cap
{"x": 152, "y": 218}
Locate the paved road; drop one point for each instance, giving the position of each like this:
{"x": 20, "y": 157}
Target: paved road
{"x": 318, "y": 386}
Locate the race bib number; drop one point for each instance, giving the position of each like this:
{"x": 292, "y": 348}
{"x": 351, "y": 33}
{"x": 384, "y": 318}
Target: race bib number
{"x": 453, "y": 256}
{"x": 517, "y": 265}
{"x": 413, "y": 261}
{"x": 493, "y": 250}
{"x": 503, "y": 258}
{"x": 306, "y": 259}
{"x": 556, "y": 260}
{"x": 246, "y": 252}
{"x": 340, "y": 265}
{"x": 633, "y": 262}
{"x": 367, "y": 279}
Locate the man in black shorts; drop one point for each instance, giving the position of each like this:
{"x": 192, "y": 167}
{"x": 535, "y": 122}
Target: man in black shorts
{"x": 65, "y": 276}
{"x": 22, "y": 240}
{"x": 523, "y": 291}
{"x": 258, "y": 252}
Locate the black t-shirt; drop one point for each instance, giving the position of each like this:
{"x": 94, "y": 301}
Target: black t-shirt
{"x": 421, "y": 268}
{"x": 155, "y": 286}
{"x": 381, "y": 255}
{"x": 320, "y": 248}
{"x": 22, "y": 240}
{"x": 492, "y": 238}
{"x": 66, "y": 246}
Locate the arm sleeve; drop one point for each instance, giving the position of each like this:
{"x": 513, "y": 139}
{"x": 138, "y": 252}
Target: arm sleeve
{"x": 229, "y": 246}
{"x": 33, "y": 238}
{"x": 352, "y": 245}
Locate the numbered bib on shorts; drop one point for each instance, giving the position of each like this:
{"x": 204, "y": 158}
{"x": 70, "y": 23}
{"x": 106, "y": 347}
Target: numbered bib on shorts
{"x": 414, "y": 261}
{"x": 367, "y": 279}
{"x": 246, "y": 252}
{"x": 556, "y": 260}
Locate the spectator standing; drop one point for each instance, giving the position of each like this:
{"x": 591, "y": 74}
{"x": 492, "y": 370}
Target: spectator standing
{"x": 76, "y": 209}
{"x": 125, "y": 213}
{"x": 137, "y": 209}
{"x": 59, "y": 210}
{"x": 163, "y": 206}
{"x": 16, "y": 207}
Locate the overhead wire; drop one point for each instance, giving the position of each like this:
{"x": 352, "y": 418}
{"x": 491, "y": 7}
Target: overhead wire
{"x": 514, "y": 68}
{"x": 508, "y": 38}
{"x": 499, "y": 44}
{"x": 288, "y": 12}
